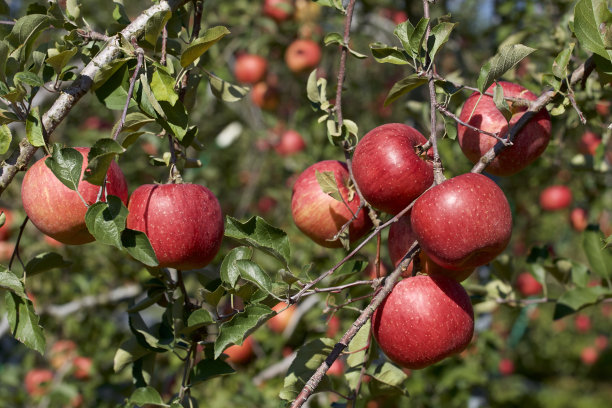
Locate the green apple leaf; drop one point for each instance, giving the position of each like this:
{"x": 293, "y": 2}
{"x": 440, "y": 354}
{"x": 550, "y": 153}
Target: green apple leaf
{"x": 329, "y": 185}
{"x": 114, "y": 93}
{"x": 5, "y": 138}
{"x": 441, "y": 33}
{"x": 578, "y": 298}
{"x": 258, "y": 233}
{"x": 348, "y": 269}
{"x": 44, "y": 262}
{"x": 389, "y": 374}
{"x": 230, "y": 273}
{"x": 500, "y": 103}
{"x": 608, "y": 242}
{"x": 333, "y": 38}
{"x": 154, "y": 26}
{"x": 559, "y": 67}
{"x": 34, "y": 128}
{"x": 106, "y": 221}
{"x": 226, "y": 91}
{"x": 198, "y": 47}
{"x": 417, "y": 37}
{"x": 23, "y": 322}
{"x": 129, "y": 351}
{"x": 403, "y": 31}
{"x": 100, "y": 156}
{"x": 253, "y": 273}
{"x": 146, "y": 336}
{"x": 4, "y": 52}
{"x": 388, "y": 55}
{"x": 24, "y": 33}
{"x": 10, "y": 282}
{"x": 138, "y": 246}
{"x": 61, "y": 59}
{"x": 66, "y": 164}
{"x": 162, "y": 85}
{"x": 450, "y": 127}
{"x": 240, "y": 326}
{"x": 107, "y": 71}
{"x": 209, "y": 368}
{"x": 404, "y": 86}
{"x": 147, "y": 396}
{"x": 506, "y": 58}
{"x": 196, "y": 320}
{"x": 28, "y": 78}
{"x": 357, "y": 350}
{"x": 599, "y": 257}
{"x": 133, "y": 122}
{"x": 593, "y": 26}
{"x": 175, "y": 119}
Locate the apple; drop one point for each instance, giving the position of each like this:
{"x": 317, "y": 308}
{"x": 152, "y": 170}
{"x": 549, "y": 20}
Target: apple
{"x": 579, "y": 219}
{"x": 320, "y": 216}
{"x": 82, "y": 367}
{"x": 589, "y": 355}
{"x": 58, "y": 211}
{"x": 96, "y": 123}
{"x": 290, "y": 142}
{"x": 265, "y": 96}
{"x": 266, "y": 204}
{"x": 387, "y": 169}
{"x": 240, "y": 354}
{"x": 424, "y": 320}
{"x": 400, "y": 240}
{"x": 52, "y": 242}
{"x": 281, "y": 320}
{"x": 603, "y": 107}
{"x": 6, "y": 250}
{"x": 250, "y": 68}
{"x": 38, "y": 381}
{"x": 582, "y": 323}
{"x": 480, "y": 111}
{"x": 506, "y": 367}
{"x": 333, "y": 326}
{"x": 527, "y": 285}
{"x": 302, "y": 55}
{"x": 5, "y": 229}
{"x": 183, "y": 222}
{"x": 279, "y": 10}
{"x": 463, "y": 222}
{"x": 601, "y": 342}
{"x": 589, "y": 141}
{"x": 336, "y": 369}
{"x": 555, "y": 198}
{"x": 62, "y": 352}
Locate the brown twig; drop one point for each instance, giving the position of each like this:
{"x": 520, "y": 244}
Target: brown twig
{"x": 451, "y": 115}
{"x": 16, "y": 250}
{"x": 89, "y": 35}
{"x": 139, "y": 62}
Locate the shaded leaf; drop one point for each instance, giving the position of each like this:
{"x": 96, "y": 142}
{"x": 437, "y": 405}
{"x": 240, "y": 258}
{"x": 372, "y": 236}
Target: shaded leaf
{"x": 99, "y": 158}
{"x": 66, "y": 164}
{"x": 417, "y": 37}
{"x": 356, "y": 355}
{"x": 10, "y": 282}
{"x": 44, "y": 262}
{"x": 389, "y": 374}
{"x": 507, "y": 57}
{"x": 60, "y": 60}
{"x": 500, "y": 103}
{"x": 258, "y": 233}
{"x": 202, "y": 44}
{"x": 441, "y": 33}
{"x": 240, "y": 326}
{"x": 138, "y": 246}
{"x": 210, "y": 368}
{"x": 28, "y": 78}
{"x": 128, "y": 352}
{"x": 106, "y": 221}
{"x": 599, "y": 257}
{"x": 404, "y": 86}
{"x": 34, "y": 128}
{"x": 229, "y": 272}
{"x": 577, "y": 298}
{"x": 226, "y": 91}
{"x": 154, "y": 26}
{"x": 23, "y": 322}
{"x": 147, "y": 395}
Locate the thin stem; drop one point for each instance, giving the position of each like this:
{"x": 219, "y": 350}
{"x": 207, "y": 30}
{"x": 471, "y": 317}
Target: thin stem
{"x": 343, "y": 54}
{"x": 451, "y": 115}
{"x": 16, "y": 250}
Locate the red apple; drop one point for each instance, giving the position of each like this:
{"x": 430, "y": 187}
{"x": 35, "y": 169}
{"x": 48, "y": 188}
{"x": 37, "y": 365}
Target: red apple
{"x": 266, "y": 204}
{"x": 601, "y": 342}
{"x": 82, "y": 367}
{"x": 589, "y": 355}
{"x": 5, "y": 229}
{"x": 528, "y": 145}
{"x": 527, "y": 285}
{"x": 582, "y": 323}
{"x": 399, "y": 242}
{"x": 579, "y": 219}
{"x": 58, "y": 211}
{"x": 279, "y": 10}
{"x": 38, "y": 381}
{"x": 333, "y": 326}
{"x": 302, "y": 55}
{"x": 424, "y": 320}
{"x": 506, "y": 367}
{"x": 320, "y": 216}
{"x": 52, "y": 242}
{"x": 62, "y": 352}
{"x": 265, "y": 96}
{"x": 589, "y": 141}
{"x": 279, "y": 322}
{"x": 387, "y": 168}
{"x": 603, "y": 107}
{"x": 290, "y": 142}
{"x": 336, "y": 369}
{"x": 184, "y": 223}
{"x": 250, "y": 68}
{"x": 555, "y": 198}
{"x": 6, "y": 250}
{"x": 463, "y": 222}
{"x": 240, "y": 354}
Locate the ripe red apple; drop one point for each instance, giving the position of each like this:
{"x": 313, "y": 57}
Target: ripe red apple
{"x": 399, "y": 242}
{"x": 589, "y": 355}
{"x": 320, "y": 216}
{"x": 5, "y": 230}
{"x": 333, "y": 326}
{"x": 38, "y": 381}
{"x": 302, "y": 55}
{"x": 265, "y": 96}
{"x": 579, "y": 219}
{"x": 555, "y": 198}
{"x": 82, "y": 367}
{"x": 336, "y": 369}
{"x": 58, "y": 211}
{"x": 62, "y": 352}
{"x": 589, "y": 141}
{"x": 250, "y": 68}
{"x": 279, "y": 10}
{"x": 582, "y": 323}
{"x": 463, "y": 222}
{"x": 240, "y": 354}
{"x": 506, "y": 367}
{"x": 290, "y": 142}
{"x": 603, "y": 107}
{"x": 529, "y": 144}
{"x": 387, "y": 168}
{"x": 52, "y": 242}
{"x": 279, "y": 322}
{"x": 527, "y": 285}
{"x": 184, "y": 223}
{"x": 424, "y": 320}
{"x": 601, "y": 342}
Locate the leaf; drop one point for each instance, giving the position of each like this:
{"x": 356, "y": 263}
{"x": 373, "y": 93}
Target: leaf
{"x": 10, "y": 282}
{"x": 23, "y": 322}
{"x": 198, "y": 319}
{"x": 329, "y": 185}
{"x": 202, "y": 44}
{"x": 386, "y": 54}
{"x": 441, "y": 33}
{"x": 253, "y": 273}
{"x": 28, "y": 78}
{"x": 106, "y": 221}
{"x": 138, "y": 246}
{"x": 99, "y": 158}
{"x": 4, "y": 52}
{"x": 209, "y": 368}
{"x": 500, "y": 102}
{"x": 240, "y": 326}
{"x": 133, "y": 122}
{"x": 348, "y": 269}
{"x": 389, "y": 374}
{"x": 258, "y": 233}
{"x": 147, "y": 395}
{"x": 357, "y": 350}
{"x": 589, "y": 17}
{"x": 507, "y": 57}
{"x": 154, "y": 26}
{"x": 417, "y": 37}
{"x": 230, "y": 273}
{"x": 560, "y": 63}
{"x": 309, "y": 357}
{"x": 175, "y": 120}
{"x": 61, "y": 59}
{"x": 145, "y": 335}
{"x": 226, "y": 91}
{"x": 5, "y": 138}
{"x": 107, "y": 71}
{"x": 24, "y": 32}
{"x": 599, "y": 258}
{"x": 34, "y": 128}
{"x": 44, "y": 262}
{"x": 128, "y": 352}
{"x": 162, "y": 85}
{"x": 114, "y": 93}
{"x": 450, "y": 126}
{"x": 73, "y": 10}
{"x": 578, "y": 298}
{"x": 66, "y": 164}
{"x": 403, "y": 31}
{"x": 608, "y": 242}
{"x": 333, "y": 38}
{"x": 404, "y": 86}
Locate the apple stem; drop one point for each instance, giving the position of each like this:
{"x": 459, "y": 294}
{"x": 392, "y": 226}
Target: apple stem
{"x": 15, "y": 253}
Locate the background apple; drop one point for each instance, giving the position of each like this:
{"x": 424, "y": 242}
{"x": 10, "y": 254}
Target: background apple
{"x": 82, "y": 367}
{"x": 555, "y": 198}
{"x": 320, "y": 216}
{"x": 62, "y": 352}
{"x": 424, "y": 320}
{"x": 57, "y": 210}
{"x": 589, "y": 355}
{"x": 265, "y": 95}
{"x": 582, "y": 323}
{"x": 527, "y": 285}
{"x": 336, "y": 369}
{"x": 463, "y": 222}
{"x": 302, "y": 55}
{"x": 388, "y": 170}
{"x": 528, "y": 145}
{"x": 184, "y": 223}
{"x": 279, "y": 10}
{"x": 506, "y": 367}
{"x": 240, "y": 354}
{"x": 290, "y": 142}
{"x": 579, "y": 219}
{"x": 250, "y": 68}
{"x": 589, "y": 141}
{"x": 38, "y": 381}
{"x": 279, "y": 322}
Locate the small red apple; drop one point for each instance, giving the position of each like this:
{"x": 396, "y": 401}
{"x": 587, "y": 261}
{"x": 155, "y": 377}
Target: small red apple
{"x": 240, "y": 354}
{"x": 62, "y": 352}
{"x": 463, "y": 222}
{"x": 320, "y": 216}
{"x": 528, "y": 145}
{"x": 527, "y": 285}
{"x": 58, "y": 211}
{"x": 601, "y": 342}
{"x": 333, "y": 326}
{"x": 279, "y": 322}
{"x": 603, "y": 107}
{"x": 302, "y": 55}
{"x": 5, "y": 230}
{"x": 555, "y": 198}
{"x": 82, "y": 367}
{"x": 589, "y": 141}
{"x": 266, "y": 204}
{"x": 424, "y": 320}
{"x": 336, "y": 369}
{"x": 279, "y": 10}
{"x": 265, "y": 96}
{"x": 579, "y": 219}
{"x": 290, "y": 142}
{"x": 250, "y": 68}
{"x": 38, "y": 381}
{"x": 506, "y": 367}
{"x": 589, "y": 355}
{"x": 387, "y": 169}
{"x": 582, "y": 323}
{"x": 183, "y": 222}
